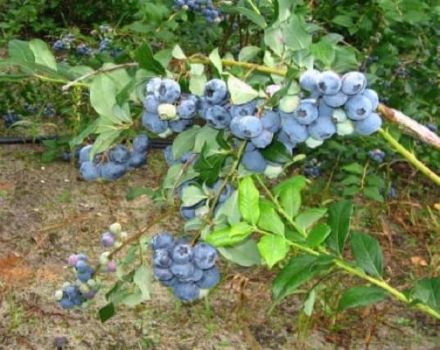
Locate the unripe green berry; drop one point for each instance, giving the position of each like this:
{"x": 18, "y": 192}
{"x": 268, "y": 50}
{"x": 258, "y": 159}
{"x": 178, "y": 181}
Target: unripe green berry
{"x": 115, "y": 228}
{"x": 58, "y": 295}
{"x": 313, "y": 143}
{"x": 339, "y": 116}
{"x": 103, "y": 259}
{"x": 289, "y": 103}
{"x": 167, "y": 111}
{"x": 346, "y": 128}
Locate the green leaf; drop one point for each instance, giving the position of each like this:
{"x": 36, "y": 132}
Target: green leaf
{"x": 324, "y": 51}
{"x": 427, "y": 291}
{"x": 42, "y": 54}
{"x": 309, "y": 304}
{"x": 248, "y": 53}
{"x": 20, "y": 52}
{"x": 142, "y": 278}
{"x": 184, "y": 142}
{"x": 345, "y": 59}
{"x": 240, "y": 91}
{"x": 106, "y": 312}
{"x": 244, "y": 254}
{"x": 368, "y": 254}
{"x": 339, "y": 217}
{"x": 197, "y": 79}
{"x": 103, "y": 95}
{"x": 192, "y": 195}
{"x": 269, "y": 219}
{"x": 144, "y": 57}
{"x": 295, "y": 34}
{"x": 229, "y": 210}
{"x": 361, "y": 296}
{"x": 209, "y": 167}
{"x": 248, "y": 199}
{"x": 178, "y": 53}
{"x": 216, "y": 60}
{"x": 276, "y": 153}
{"x": 273, "y": 249}
{"x": 248, "y": 13}
{"x": 289, "y": 194}
{"x": 104, "y": 141}
{"x": 298, "y": 271}
{"x": 206, "y": 137}
{"x": 230, "y": 235}
{"x": 354, "y": 168}
{"x": 318, "y": 235}
{"x": 373, "y": 192}
{"x": 309, "y": 217}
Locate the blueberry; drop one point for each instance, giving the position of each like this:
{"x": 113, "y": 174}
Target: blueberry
{"x": 254, "y": 161}
{"x": 151, "y": 103}
{"x": 329, "y": 83}
{"x": 104, "y": 44}
{"x": 163, "y": 240}
{"x": 373, "y": 97}
{"x": 169, "y": 91}
{"x": 196, "y": 276}
{"x": 353, "y": 83}
{"x": 306, "y": 112}
{"x": 66, "y": 304}
{"x": 377, "y": 155}
{"x": 250, "y": 126}
{"x": 112, "y": 171}
{"x": 153, "y": 123}
{"x": 119, "y": 154}
{"x": 59, "y": 45}
{"x": 312, "y": 171}
{"x": 182, "y": 253}
{"x": 140, "y": 143}
{"x": 83, "y": 50}
{"x": 187, "y": 213}
{"x": 89, "y": 171}
{"x": 107, "y": 239}
{"x": 168, "y": 283}
{"x": 84, "y": 153}
{"x": 432, "y": 127}
{"x": 205, "y": 256}
{"x": 137, "y": 160}
{"x": 322, "y": 128}
{"x": 284, "y": 138}
{"x": 216, "y": 91}
{"x": 111, "y": 266}
{"x": 153, "y": 86}
{"x": 295, "y": 131}
{"x": 243, "y": 110}
{"x": 271, "y": 121}
{"x": 358, "y": 107}
{"x": 162, "y": 258}
{"x": 84, "y": 276}
{"x": 336, "y": 100}
{"x": 309, "y": 80}
{"x": 263, "y": 140}
{"x": 179, "y": 125}
{"x": 369, "y": 125}
{"x": 210, "y": 279}
{"x": 163, "y": 274}
{"x": 72, "y": 260}
{"x": 218, "y": 117}
{"x": 186, "y": 291}
{"x": 182, "y": 271}
{"x": 81, "y": 266}
{"x": 234, "y": 126}
{"x": 188, "y": 107}
{"x": 226, "y": 193}
{"x": 49, "y": 111}
{"x": 10, "y": 118}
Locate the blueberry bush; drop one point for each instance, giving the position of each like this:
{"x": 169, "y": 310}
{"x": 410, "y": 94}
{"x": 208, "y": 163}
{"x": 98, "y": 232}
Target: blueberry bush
{"x": 266, "y": 91}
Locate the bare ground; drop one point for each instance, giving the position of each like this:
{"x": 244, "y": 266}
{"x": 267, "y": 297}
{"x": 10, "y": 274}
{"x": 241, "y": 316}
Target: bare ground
{"x": 46, "y": 213}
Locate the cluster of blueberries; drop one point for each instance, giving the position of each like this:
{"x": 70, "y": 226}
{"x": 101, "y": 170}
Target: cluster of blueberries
{"x": 188, "y": 270}
{"x": 85, "y": 287}
{"x": 82, "y": 49}
{"x": 11, "y": 117}
{"x": 116, "y": 163}
{"x": 204, "y": 7}
{"x": 332, "y": 104}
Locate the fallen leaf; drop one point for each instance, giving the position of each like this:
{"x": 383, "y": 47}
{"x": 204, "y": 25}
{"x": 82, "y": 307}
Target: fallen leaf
{"x": 418, "y": 261}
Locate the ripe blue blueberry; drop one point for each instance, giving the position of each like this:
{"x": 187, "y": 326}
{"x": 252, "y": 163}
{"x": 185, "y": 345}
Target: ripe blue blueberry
{"x": 250, "y": 126}
{"x": 137, "y": 160}
{"x": 216, "y": 91}
{"x": 329, "y": 83}
{"x": 263, "y": 140}
{"x": 336, "y": 100}
{"x": 163, "y": 274}
{"x": 187, "y": 213}
{"x": 369, "y": 125}
{"x": 377, "y": 155}
{"x": 107, "y": 239}
{"x": 373, "y": 97}
{"x": 254, "y": 161}
{"x": 306, "y": 112}
{"x": 204, "y": 256}
{"x": 196, "y": 276}
{"x": 271, "y": 121}
{"x": 153, "y": 123}
{"x": 162, "y": 258}
{"x": 295, "y": 131}
{"x": 234, "y": 126}
{"x": 324, "y": 110}
{"x": 169, "y": 91}
{"x": 284, "y": 138}
{"x": 84, "y": 153}
{"x": 82, "y": 266}
{"x": 218, "y": 117}
{"x": 353, "y": 83}
{"x": 309, "y": 80}
{"x": 322, "y": 128}
{"x": 140, "y": 143}
{"x": 112, "y": 171}
{"x": 186, "y": 291}
{"x": 188, "y": 107}
{"x": 89, "y": 171}
{"x": 66, "y": 304}
{"x": 358, "y": 107}
{"x": 163, "y": 240}
{"x": 119, "y": 154}
{"x": 179, "y": 125}
{"x": 210, "y": 279}
{"x": 182, "y": 253}
{"x": 182, "y": 271}
{"x": 244, "y": 109}
{"x": 151, "y": 103}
